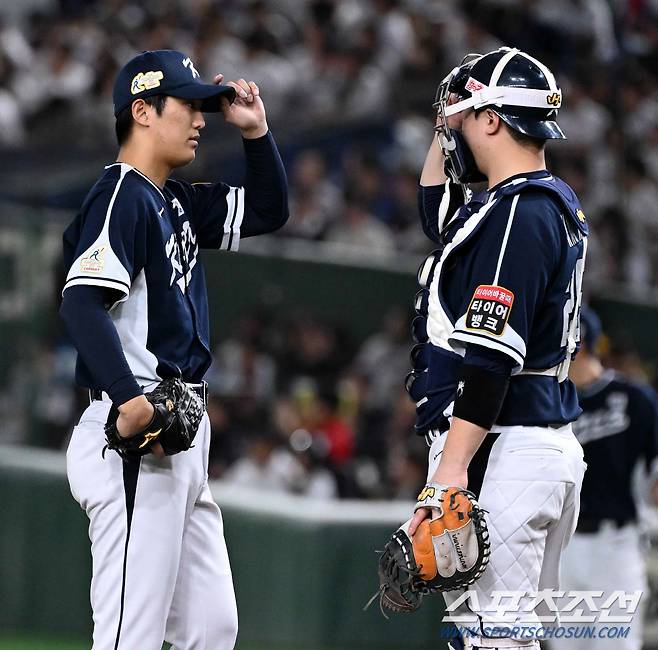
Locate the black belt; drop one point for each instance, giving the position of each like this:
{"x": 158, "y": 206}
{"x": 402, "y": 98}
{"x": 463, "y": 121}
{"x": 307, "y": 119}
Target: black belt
{"x": 590, "y": 526}
{"x": 96, "y": 395}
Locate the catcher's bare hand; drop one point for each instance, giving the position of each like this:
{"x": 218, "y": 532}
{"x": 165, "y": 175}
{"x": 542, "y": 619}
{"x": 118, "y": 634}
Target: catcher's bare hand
{"x": 417, "y": 519}
{"x": 444, "y": 475}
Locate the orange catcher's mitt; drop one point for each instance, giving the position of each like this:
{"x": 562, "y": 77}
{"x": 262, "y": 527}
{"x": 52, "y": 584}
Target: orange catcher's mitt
{"x": 448, "y": 552}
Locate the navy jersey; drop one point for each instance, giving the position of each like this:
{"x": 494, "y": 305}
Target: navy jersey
{"x": 506, "y": 281}
{"x": 143, "y": 243}
{"x": 617, "y": 429}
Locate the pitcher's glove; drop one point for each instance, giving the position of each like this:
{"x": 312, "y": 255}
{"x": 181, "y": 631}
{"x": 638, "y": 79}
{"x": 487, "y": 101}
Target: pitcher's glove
{"x": 177, "y": 412}
{"x": 446, "y": 553}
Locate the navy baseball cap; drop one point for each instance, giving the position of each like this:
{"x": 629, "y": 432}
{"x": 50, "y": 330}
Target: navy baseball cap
{"x": 165, "y": 72}
{"x": 590, "y": 328}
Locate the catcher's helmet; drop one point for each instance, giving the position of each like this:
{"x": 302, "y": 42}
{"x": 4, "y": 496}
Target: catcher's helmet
{"x": 520, "y": 89}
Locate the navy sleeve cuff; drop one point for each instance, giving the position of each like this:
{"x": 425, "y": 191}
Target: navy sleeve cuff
{"x": 124, "y": 389}
{"x": 254, "y": 144}
{"x": 429, "y": 200}
{"x": 265, "y": 187}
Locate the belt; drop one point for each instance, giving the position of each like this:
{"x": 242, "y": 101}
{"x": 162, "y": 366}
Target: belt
{"x": 560, "y": 372}
{"x": 432, "y": 434}
{"x": 547, "y": 372}
{"x": 590, "y": 526}
{"x": 201, "y": 389}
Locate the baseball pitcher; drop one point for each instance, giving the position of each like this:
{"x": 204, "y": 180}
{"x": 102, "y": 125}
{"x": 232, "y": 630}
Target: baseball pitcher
{"x": 135, "y": 304}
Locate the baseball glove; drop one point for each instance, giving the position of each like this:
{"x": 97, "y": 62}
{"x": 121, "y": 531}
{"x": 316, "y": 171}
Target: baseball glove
{"x": 446, "y": 553}
{"x": 177, "y": 412}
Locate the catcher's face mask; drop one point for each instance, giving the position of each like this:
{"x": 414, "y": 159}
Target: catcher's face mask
{"x": 460, "y": 164}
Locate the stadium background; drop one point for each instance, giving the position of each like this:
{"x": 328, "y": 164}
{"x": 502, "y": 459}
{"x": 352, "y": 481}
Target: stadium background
{"x": 310, "y": 419}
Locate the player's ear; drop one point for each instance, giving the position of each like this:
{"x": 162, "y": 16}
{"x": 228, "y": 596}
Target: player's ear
{"x": 492, "y": 122}
{"x": 140, "y": 112}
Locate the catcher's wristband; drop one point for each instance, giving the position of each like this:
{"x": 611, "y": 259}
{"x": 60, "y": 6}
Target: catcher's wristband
{"x": 431, "y": 496}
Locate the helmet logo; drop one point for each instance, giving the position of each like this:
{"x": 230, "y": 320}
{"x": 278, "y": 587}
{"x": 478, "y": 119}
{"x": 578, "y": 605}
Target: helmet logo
{"x": 473, "y": 85}
{"x": 555, "y": 99}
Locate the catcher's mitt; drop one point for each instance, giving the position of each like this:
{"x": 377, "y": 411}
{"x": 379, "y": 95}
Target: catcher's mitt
{"x": 177, "y": 412}
{"x": 446, "y": 553}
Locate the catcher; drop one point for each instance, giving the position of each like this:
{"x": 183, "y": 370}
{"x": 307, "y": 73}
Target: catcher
{"x": 497, "y": 326}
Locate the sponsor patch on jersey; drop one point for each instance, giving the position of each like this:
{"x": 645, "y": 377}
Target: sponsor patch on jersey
{"x": 489, "y": 309}
{"x": 146, "y": 81}
{"x": 93, "y": 260}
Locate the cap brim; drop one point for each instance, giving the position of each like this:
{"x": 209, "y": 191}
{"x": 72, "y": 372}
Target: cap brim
{"x": 211, "y": 94}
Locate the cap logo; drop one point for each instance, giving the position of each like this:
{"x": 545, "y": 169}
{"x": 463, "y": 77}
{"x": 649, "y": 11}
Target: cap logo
{"x": 473, "y": 85}
{"x": 188, "y": 64}
{"x": 554, "y": 100}
{"x": 145, "y": 81}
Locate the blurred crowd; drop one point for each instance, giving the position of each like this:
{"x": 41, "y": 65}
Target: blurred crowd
{"x": 323, "y": 64}
{"x": 296, "y": 406}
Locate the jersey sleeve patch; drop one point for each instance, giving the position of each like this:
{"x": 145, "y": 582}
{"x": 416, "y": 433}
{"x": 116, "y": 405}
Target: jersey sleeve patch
{"x": 98, "y": 263}
{"x": 489, "y": 309}
{"x": 485, "y": 323}
{"x": 93, "y": 261}
{"x": 99, "y": 266}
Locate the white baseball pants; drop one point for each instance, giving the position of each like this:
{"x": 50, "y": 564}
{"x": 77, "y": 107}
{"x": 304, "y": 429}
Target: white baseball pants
{"x": 613, "y": 559}
{"x": 531, "y": 491}
{"x": 160, "y": 564}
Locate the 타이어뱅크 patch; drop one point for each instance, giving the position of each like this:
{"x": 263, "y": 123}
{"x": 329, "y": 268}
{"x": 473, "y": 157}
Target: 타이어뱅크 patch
{"x": 489, "y": 309}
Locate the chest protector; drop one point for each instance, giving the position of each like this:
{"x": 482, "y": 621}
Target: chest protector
{"x": 432, "y": 382}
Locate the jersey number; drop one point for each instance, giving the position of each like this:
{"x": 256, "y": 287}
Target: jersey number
{"x": 571, "y": 312}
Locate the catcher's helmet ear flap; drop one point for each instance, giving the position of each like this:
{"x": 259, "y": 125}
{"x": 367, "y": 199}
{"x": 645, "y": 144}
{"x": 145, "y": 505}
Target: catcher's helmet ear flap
{"x": 518, "y": 87}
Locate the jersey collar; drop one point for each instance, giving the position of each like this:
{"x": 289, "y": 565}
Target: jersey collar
{"x": 146, "y": 178}
{"x": 541, "y": 173}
